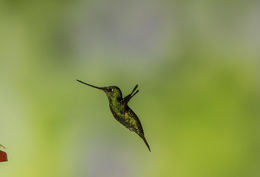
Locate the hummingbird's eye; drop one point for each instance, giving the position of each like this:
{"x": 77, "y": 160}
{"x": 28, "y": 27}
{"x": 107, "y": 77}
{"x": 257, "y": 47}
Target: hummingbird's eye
{"x": 110, "y": 90}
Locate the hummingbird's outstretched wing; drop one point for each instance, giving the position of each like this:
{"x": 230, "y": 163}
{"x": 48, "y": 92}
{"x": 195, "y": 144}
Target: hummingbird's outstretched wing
{"x": 128, "y": 97}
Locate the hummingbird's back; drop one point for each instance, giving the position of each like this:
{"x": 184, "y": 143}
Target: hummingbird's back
{"x": 133, "y": 121}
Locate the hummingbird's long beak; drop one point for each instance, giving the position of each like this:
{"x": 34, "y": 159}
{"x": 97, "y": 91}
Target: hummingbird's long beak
{"x": 101, "y": 88}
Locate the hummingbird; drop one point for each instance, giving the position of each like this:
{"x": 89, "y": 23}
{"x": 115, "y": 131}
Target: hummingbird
{"x": 120, "y": 109}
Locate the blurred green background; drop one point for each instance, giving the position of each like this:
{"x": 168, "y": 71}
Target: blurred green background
{"x": 197, "y": 64}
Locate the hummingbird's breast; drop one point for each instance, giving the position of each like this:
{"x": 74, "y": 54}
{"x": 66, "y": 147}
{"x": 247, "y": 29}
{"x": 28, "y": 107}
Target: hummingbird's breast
{"x": 117, "y": 108}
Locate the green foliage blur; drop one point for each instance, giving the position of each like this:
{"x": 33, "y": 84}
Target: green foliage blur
{"x": 197, "y": 64}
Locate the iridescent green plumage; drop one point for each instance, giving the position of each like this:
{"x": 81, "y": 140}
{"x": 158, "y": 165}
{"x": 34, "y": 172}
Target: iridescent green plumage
{"x": 120, "y": 109}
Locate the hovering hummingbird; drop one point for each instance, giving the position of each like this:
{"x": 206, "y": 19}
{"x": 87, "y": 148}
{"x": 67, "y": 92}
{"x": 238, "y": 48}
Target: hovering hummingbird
{"x": 120, "y": 109}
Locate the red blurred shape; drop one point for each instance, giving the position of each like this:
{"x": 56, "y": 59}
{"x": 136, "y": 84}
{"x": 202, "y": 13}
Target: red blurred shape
{"x": 3, "y": 156}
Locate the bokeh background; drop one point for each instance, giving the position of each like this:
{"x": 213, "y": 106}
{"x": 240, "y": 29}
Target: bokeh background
{"x": 197, "y": 64}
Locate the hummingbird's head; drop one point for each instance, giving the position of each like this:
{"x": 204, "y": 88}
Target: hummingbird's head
{"x": 112, "y": 92}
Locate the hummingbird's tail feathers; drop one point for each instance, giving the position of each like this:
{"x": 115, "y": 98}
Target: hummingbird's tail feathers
{"x": 145, "y": 141}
